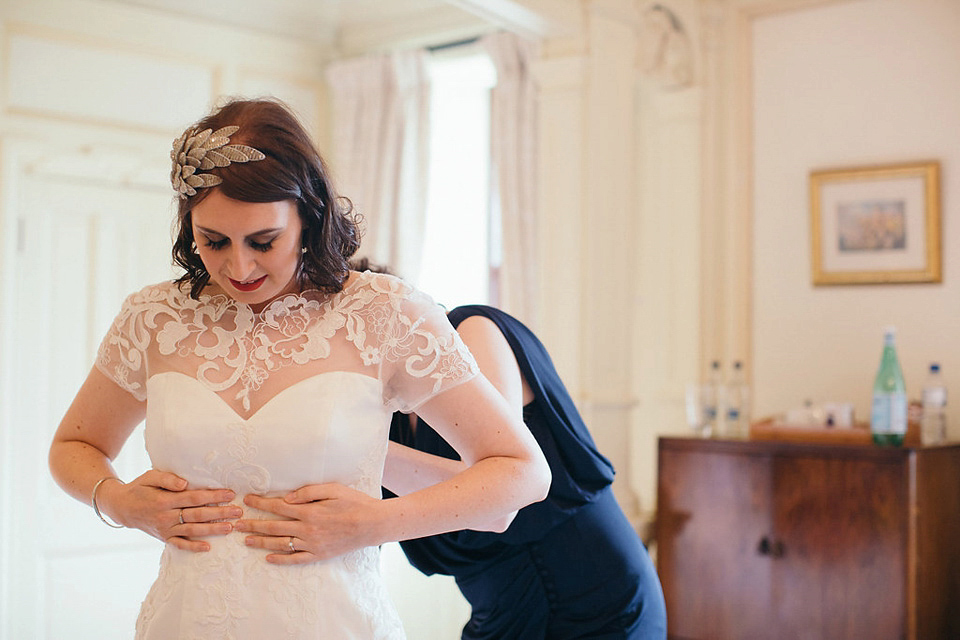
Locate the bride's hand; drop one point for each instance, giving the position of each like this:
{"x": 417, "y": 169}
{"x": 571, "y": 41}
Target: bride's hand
{"x": 159, "y": 503}
{"x": 321, "y": 521}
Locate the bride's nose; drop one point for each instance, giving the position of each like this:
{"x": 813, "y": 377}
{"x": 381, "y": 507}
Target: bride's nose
{"x": 241, "y": 263}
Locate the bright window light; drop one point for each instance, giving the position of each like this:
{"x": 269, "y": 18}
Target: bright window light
{"x": 456, "y": 252}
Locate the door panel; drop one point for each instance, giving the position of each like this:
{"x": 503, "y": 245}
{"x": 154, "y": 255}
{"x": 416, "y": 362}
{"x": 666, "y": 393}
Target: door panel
{"x": 841, "y": 522}
{"x": 712, "y": 512}
{"x": 82, "y": 249}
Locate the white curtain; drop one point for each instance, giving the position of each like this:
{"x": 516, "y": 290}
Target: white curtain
{"x": 513, "y": 170}
{"x": 380, "y": 151}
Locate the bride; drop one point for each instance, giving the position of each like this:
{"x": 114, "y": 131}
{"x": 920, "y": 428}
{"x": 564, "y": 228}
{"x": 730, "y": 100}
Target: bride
{"x": 267, "y": 375}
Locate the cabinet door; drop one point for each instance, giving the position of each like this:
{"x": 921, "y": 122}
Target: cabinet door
{"x": 713, "y": 508}
{"x": 840, "y": 572}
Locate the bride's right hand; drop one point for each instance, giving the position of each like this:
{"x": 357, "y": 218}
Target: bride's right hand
{"x": 159, "y": 503}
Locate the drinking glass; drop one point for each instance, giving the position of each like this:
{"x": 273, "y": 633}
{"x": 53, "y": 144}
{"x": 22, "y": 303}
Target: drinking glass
{"x": 694, "y": 403}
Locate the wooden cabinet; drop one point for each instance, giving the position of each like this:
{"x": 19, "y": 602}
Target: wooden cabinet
{"x": 790, "y": 541}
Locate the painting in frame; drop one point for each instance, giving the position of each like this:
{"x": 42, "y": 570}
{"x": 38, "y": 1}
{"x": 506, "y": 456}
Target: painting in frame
{"x": 876, "y": 225}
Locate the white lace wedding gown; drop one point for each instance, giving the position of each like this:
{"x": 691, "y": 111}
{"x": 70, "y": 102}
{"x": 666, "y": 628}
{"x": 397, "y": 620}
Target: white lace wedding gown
{"x": 301, "y": 393}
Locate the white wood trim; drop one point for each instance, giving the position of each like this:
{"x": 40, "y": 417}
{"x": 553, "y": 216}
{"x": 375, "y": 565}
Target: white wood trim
{"x": 531, "y": 18}
{"x": 420, "y": 30}
{"x": 726, "y": 290}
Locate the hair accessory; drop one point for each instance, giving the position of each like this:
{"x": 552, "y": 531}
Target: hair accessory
{"x": 195, "y": 151}
{"x": 96, "y": 508}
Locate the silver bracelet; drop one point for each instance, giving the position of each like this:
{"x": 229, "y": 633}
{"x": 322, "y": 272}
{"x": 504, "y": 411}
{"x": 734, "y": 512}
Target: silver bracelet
{"x": 96, "y": 508}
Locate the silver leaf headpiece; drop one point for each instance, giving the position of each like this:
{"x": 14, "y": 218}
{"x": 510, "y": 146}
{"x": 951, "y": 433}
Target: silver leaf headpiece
{"x": 197, "y": 151}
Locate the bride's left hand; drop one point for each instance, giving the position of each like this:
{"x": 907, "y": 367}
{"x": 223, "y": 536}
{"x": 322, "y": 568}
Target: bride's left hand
{"x": 322, "y": 521}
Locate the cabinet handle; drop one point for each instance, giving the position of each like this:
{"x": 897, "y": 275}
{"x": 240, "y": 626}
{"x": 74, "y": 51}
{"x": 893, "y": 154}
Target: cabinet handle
{"x": 764, "y": 547}
{"x": 773, "y": 549}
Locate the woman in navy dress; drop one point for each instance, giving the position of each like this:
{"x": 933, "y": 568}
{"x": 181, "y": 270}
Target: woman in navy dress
{"x": 570, "y": 566}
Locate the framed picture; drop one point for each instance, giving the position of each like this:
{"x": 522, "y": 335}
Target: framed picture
{"x": 874, "y": 225}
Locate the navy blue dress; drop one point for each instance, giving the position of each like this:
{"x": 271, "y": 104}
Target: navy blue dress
{"x": 570, "y": 566}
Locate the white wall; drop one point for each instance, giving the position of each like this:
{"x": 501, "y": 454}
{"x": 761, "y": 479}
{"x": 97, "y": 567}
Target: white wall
{"x": 850, "y": 84}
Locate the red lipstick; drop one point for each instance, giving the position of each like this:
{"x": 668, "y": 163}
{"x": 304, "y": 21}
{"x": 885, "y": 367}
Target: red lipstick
{"x": 252, "y": 285}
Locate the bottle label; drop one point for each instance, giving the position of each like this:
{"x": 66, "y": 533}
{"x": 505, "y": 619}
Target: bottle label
{"x": 889, "y": 414}
{"x": 935, "y": 397}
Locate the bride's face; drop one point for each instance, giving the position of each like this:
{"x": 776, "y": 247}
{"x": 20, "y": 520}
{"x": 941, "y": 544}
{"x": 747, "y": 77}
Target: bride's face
{"x": 250, "y": 249}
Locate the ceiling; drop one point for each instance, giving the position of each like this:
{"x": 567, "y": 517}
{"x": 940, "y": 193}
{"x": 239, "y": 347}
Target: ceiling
{"x": 335, "y": 24}
{"x": 353, "y": 26}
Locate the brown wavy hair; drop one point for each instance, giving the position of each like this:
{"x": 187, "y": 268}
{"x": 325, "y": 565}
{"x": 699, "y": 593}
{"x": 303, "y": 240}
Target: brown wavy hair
{"x": 292, "y": 170}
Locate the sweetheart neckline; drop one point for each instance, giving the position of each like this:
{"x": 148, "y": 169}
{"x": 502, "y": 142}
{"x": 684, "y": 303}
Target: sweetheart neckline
{"x": 269, "y": 401}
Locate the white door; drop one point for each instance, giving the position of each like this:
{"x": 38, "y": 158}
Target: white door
{"x": 80, "y": 250}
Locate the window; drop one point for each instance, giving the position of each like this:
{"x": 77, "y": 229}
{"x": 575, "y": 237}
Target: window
{"x": 458, "y": 255}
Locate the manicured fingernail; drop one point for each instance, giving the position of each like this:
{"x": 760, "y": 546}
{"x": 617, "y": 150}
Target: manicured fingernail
{"x": 249, "y": 541}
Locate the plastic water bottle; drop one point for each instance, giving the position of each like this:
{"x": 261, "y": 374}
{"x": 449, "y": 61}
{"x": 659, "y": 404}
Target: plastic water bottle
{"x": 738, "y": 403}
{"x": 712, "y": 398}
{"x": 933, "y": 425}
{"x": 888, "y": 416}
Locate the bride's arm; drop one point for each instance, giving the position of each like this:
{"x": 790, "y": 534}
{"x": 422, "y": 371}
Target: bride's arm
{"x": 92, "y": 433}
{"x": 407, "y": 469}
{"x": 504, "y": 469}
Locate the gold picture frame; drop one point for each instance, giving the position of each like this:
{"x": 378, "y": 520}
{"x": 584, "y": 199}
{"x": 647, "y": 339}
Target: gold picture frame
{"x": 876, "y": 225}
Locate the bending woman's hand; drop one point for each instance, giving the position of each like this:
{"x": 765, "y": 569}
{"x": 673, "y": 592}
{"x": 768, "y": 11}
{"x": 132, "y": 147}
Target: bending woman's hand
{"x": 320, "y": 521}
{"x": 159, "y": 503}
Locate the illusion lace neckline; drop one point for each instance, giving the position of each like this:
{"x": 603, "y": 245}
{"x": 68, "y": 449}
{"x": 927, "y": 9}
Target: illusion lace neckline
{"x": 213, "y": 293}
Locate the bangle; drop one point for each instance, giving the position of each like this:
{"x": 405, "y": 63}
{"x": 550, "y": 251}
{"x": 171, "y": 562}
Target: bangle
{"x": 96, "y": 508}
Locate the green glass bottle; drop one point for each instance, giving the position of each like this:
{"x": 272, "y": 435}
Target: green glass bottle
{"x": 888, "y": 417}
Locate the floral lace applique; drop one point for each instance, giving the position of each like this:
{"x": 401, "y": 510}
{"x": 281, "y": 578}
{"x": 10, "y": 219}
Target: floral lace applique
{"x": 236, "y": 349}
{"x": 372, "y": 597}
{"x": 233, "y": 464}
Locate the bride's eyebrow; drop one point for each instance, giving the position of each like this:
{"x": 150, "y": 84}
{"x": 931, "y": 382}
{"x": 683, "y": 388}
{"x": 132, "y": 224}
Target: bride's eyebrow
{"x": 255, "y": 234}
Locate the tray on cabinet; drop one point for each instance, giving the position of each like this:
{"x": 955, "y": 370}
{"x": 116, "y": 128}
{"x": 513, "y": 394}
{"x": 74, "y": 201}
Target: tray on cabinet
{"x": 859, "y": 434}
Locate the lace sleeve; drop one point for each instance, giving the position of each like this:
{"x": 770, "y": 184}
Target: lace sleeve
{"x": 122, "y": 353}
{"x": 423, "y": 354}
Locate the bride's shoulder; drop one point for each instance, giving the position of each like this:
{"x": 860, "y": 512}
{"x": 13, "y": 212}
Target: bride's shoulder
{"x": 386, "y": 293}
{"x": 167, "y": 293}
{"x": 377, "y": 281}
{"x": 382, "y": 287}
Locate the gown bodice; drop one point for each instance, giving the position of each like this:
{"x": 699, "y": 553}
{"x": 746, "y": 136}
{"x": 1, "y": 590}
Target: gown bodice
{"x": 301, "y": 393}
